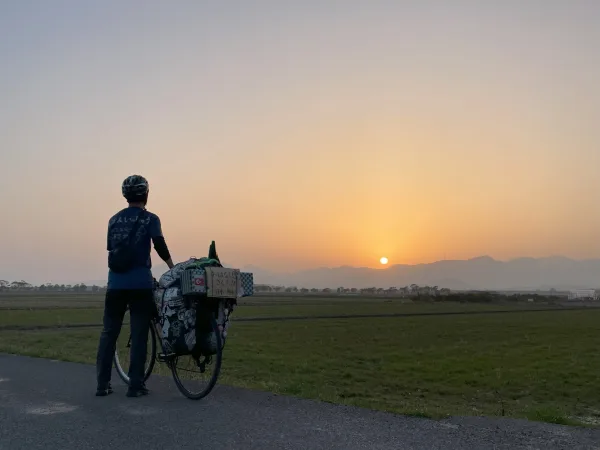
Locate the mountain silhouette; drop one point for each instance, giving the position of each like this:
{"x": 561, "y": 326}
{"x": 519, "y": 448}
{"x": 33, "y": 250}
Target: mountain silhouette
{"x": 483, "y": 272}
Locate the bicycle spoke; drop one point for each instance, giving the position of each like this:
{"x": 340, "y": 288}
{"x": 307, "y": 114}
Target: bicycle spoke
{"x": 199, "y": 376}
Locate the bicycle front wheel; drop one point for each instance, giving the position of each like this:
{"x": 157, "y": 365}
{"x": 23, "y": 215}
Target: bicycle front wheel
{"x": 123, "y": 349}
{"x": 196, "y": 375}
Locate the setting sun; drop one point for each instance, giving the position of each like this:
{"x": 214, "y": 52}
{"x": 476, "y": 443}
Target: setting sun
{"x": 383, "y": 260}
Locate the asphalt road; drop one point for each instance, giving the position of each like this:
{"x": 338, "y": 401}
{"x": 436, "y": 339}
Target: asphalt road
{"x": 50, "y": 405}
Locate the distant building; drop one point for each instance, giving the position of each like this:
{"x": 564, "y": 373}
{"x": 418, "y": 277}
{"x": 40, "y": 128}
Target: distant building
{"x": 583, "y": 294}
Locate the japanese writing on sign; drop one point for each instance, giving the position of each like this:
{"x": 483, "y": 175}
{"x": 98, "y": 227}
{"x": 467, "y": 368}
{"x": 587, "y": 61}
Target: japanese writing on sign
{"x": 222, "y": 283}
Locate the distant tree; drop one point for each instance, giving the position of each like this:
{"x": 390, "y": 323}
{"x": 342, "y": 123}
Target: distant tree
{"x": 424, "y": 291}
{"x": 20, "y": 285}
{"x": 314, "y": 290}
{"x": 261, "y": 288}
{"x": 304, "y": 290}
{"x": 414, "y": 290}
{"x": 95, "y": 288}
{"x": 4, "y": 285}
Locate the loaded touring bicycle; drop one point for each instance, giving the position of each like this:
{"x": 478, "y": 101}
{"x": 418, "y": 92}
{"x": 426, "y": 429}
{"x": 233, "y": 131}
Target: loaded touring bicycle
{"x": 194, "y": 302}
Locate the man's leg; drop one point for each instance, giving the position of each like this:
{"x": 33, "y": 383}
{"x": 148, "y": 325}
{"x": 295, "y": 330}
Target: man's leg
{"x": 141, "y": 304}
{"x": 114, "y": 310}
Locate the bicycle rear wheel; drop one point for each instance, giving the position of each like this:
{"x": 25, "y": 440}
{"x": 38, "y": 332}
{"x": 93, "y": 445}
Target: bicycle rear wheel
{"x": 122, "y": 352}
{"x": 196, "y": 375}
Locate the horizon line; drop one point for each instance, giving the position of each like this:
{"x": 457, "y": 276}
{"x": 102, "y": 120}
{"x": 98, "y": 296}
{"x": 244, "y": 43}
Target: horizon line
{"x": 250, "y": 267}
{"x": 389, "y": 266}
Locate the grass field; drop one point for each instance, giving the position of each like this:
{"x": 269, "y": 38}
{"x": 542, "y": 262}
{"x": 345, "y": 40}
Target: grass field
{"x": 74, "y": 316}
{"x": 37, "y": 300}
{"x": 537, "y": 365}
{"x": 28, "y": 310}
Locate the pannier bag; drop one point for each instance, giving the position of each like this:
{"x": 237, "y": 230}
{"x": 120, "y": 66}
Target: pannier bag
{"x": 184, "y": 307}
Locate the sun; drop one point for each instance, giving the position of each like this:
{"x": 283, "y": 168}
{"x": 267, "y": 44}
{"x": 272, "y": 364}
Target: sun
{"x": 383, "y": 260}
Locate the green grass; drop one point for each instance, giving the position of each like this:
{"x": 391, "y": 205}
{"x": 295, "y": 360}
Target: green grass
{"x": 542, "y": 366}
{"x": 551, "y": 415}
{"x": 72, "y": 316}
{"x": 39, "y": 309}
{"x": 367, "y": 307}
{"x": 46, "y": 300}
{"x": 50, "y": 317}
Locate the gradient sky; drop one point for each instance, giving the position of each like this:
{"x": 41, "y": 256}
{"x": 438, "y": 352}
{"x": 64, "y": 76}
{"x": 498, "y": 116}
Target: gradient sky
{"x": 300, "y": 134}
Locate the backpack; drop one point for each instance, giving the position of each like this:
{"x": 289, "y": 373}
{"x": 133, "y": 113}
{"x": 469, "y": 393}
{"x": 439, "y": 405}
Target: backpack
{"x": 121, "y": 258}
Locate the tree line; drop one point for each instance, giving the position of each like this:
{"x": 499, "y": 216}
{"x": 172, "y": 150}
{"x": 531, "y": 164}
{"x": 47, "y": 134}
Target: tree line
{"x": 413, "y": 290}
{"x": 427, "y": 293}
{"x": 23, "y": 285}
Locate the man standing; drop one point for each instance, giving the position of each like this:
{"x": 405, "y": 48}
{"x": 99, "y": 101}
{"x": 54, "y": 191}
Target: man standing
{"x": 130, "y": 283}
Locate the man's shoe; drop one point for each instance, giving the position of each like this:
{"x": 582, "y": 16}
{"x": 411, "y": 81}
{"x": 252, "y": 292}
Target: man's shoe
{"x": 103, "y": 392}
{"x": 131, "y": 392}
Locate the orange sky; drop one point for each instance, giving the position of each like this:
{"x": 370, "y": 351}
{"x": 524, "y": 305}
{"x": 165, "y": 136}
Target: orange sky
{"x": 304, "y": 138}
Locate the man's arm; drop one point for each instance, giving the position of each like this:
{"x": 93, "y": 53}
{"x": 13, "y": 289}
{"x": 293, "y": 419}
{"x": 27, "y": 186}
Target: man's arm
{"x": 163, "y": 251}
{"x": 159, "y": 242}
{"x": 108, "y": 238}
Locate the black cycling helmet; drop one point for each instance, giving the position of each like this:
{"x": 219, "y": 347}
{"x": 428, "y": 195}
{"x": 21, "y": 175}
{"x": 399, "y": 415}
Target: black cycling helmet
{"x": 135, "y": 188}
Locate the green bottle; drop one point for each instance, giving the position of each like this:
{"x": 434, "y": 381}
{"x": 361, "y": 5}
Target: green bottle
{"x": 212, "y": 252}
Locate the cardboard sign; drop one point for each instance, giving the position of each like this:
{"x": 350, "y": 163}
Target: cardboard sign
{"x": 222, "y": 282}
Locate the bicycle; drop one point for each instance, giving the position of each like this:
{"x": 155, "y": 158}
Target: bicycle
{"x": 200, "y": 360}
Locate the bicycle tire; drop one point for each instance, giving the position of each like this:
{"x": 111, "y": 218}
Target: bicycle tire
{"x": 217, "y": 369}
{"x": 150, "y": 364}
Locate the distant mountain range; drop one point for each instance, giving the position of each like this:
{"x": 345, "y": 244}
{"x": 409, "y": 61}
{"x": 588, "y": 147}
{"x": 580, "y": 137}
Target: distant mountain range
{"x": 484, "y": 272}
